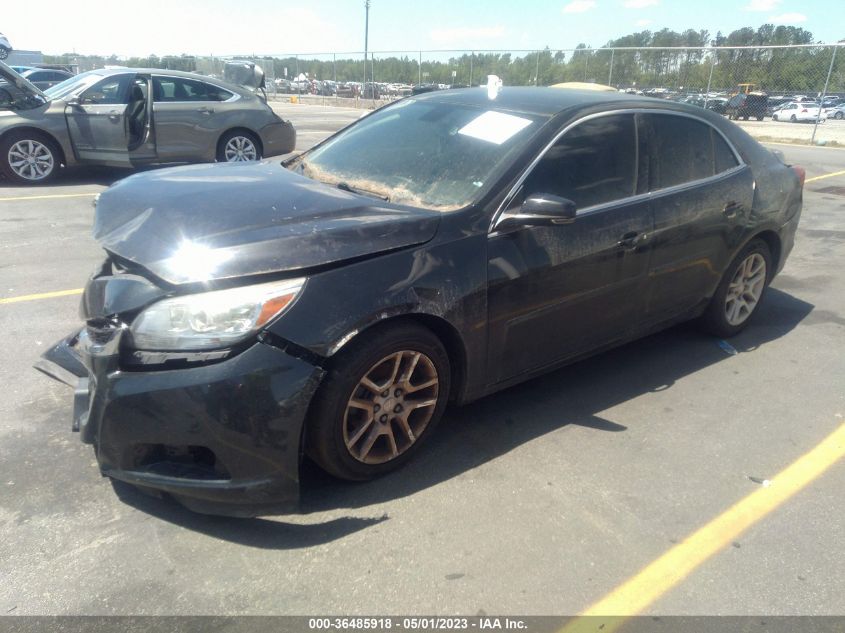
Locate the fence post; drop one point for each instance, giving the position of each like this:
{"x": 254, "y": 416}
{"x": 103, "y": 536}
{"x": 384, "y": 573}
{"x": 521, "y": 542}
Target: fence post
{"x": 710, "y": 78}
{"x": 610, "y": 74}
{"x": 586, "y": 61}
{"x": 334, "y": 75}
{"x": 419, "y": 70}
{"x": 537, "y": 71}
{"x": 471, "y": 54}
{"x": 824, "y": 92}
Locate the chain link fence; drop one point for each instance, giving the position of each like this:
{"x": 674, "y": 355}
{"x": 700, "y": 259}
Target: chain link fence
{"x": 812, "y": 75}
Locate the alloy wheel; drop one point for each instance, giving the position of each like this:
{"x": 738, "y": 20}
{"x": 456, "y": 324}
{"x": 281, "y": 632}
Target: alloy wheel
{"x": 390, "y": 407}
{"x": 240, "y": 149}
{"x": 745, "y": 289}
{"x": 31, "y": 160}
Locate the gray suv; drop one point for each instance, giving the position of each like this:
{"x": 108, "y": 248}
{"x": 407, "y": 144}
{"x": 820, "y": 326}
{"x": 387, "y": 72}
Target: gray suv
{"x": 125, "y": 117}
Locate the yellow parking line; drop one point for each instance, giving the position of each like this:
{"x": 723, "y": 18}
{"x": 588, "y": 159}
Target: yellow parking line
{"x": 47, "y": 197}
{"x": 800, "y": 144}
{"x": 641, "y": 591}
{"x": 42, "y": 295}
{"x": 836, "y": 173}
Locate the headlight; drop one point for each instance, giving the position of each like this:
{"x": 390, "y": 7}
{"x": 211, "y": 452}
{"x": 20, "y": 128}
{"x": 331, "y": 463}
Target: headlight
{"x": 212, "y": 320}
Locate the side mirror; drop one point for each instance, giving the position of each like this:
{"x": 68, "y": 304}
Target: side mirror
{"x": 539, "y": 209}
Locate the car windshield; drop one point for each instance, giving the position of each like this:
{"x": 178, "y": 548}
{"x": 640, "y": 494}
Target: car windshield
{"x": 423, "y": 153}
{"x": 73, "y": 85}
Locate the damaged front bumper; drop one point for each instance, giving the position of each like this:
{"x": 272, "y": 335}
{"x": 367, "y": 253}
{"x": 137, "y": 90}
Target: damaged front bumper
{"x": 221, "y": 437}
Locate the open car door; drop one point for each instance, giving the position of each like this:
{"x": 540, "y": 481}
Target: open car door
{"x": 111, "y": 122}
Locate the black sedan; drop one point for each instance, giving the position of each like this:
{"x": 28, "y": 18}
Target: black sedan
{"x": 440, "y": 249}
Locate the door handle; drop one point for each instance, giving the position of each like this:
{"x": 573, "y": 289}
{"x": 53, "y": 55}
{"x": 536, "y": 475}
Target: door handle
{"x": 114, "y": 115}
{"x": 731, "y": 209}
{"x": 631, "y": 240}
{"x": 205, "y": 110}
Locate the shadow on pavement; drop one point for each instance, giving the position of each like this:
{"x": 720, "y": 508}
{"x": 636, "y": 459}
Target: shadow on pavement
{"x": 472, "y": 435}
{"x": 261, "y": 533}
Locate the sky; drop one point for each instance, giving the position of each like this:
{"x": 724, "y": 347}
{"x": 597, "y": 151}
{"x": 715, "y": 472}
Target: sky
{"x": 267, "y": 27}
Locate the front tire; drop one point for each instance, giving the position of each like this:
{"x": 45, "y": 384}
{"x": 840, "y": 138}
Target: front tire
{"x": 29, "y": 158}
{"x": 380, "y": 401}
{"x": 793, "y": 118}
{"x": 740, "y": 292}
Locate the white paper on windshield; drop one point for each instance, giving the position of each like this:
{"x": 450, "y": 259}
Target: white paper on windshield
{"x": 494, "y": 127}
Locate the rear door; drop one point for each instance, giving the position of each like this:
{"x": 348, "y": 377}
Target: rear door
{"x": 97, "y": 121}
{"x": 558, "y": 291}
{"x": 189, "y": 115}
{"x": 701, "y": 197}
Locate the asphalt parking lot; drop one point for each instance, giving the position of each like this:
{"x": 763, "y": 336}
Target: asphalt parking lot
{"x": 539, "y": 500}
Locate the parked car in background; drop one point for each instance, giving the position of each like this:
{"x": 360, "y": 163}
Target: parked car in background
{"x": 131, "y": 116}
{"x": 719, "y": 105}
{"x": 347, "y": 90}
{"x": 437, "y": 250}
{"x": 370, "y": 90}
{"x": 799, "y": 112}
{"x": 745, "y": 106}
{"x": 283, "y": 86}
{"x": 43, "y": 78}
{"x": 5, "y": 46}
{"x": 423, "y": 88}
{"x": 837, "y": 112}
{"x": 775, "y": 103}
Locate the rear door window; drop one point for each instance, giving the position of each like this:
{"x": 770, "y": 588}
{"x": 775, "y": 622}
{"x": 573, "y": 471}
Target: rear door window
{"x": 679, "y": 150}
{"x": 181, "y": 89}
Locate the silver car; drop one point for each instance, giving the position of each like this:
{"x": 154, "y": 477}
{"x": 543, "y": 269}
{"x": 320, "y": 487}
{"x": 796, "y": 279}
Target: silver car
{"x": 132, "y": 116}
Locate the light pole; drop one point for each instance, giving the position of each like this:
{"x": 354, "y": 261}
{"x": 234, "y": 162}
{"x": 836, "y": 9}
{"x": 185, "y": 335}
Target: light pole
{"x": 366, "y": 37}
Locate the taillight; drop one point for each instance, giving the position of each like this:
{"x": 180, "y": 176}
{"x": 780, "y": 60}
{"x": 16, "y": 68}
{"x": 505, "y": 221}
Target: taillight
{"x": 801, "y": 173}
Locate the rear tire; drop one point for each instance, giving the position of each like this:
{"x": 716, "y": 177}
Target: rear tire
{"x": 29, "y": 158}
{"x": 740, "y": 292}
{"x": 238, "y": 146}
{"x": 356, "y": 432}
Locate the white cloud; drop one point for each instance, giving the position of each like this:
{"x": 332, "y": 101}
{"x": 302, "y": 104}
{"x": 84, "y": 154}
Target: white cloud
{"x": 640, "y": 4}
{"x": 460, "y": 34}
{"x": 762, "y": 5}
{"x": 788, "y": 18}
{"x": 579, "y": 6}
{"x": 643, "y": 22}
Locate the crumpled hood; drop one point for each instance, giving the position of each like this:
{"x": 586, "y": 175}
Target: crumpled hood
{"x": 207, "y": 222}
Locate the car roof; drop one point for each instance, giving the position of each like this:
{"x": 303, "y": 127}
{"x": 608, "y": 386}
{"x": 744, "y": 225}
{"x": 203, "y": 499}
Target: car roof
{"x": 539, "y": 101}
{"x": 106, "y": 72}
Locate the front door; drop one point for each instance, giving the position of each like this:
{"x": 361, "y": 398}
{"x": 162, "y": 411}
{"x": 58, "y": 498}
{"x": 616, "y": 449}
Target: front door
{"x": 97, "y": 121}
{"x": 557, "y": 292}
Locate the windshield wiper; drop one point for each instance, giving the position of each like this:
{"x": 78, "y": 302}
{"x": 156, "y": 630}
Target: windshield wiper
{"x": 345, "y": 186}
